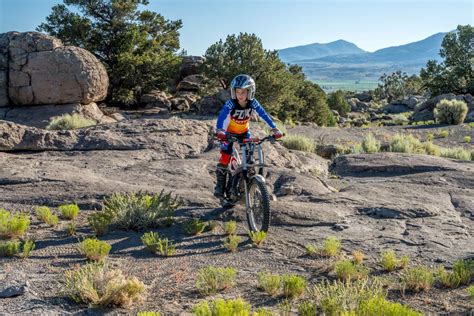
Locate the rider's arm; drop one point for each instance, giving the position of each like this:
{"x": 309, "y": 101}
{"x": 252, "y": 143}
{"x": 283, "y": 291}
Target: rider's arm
{"x": 261, "y": 112}
{"x": 225, "y": 111}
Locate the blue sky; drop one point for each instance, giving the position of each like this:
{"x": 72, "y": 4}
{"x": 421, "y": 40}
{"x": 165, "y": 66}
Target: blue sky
{"x": 371, "y": 25}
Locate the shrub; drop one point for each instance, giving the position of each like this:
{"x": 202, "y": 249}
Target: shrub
{"x": 404, "y": 262}
{"x": 148, "y": 313}
{"x": 67, "y": 121}
{"x": 221, "y": 307}
{"x": 71, "y": 229}
{"x": 284, "y": 306}
{"x": 370, "y": 145}
{"x": 406, "y": 144}
{"x": 44, "y": 214}
{"x": 390, "y": 262}
{"x": 230, "y": 227}
{"x": 231, "y": 243}
{"x": 467, "y": 139}
{"x": 380, "y": 306}
{"x": 450, "y": 112}
{"x": 9, "y": 248}
{"x": 211, "y": 226}
{"x": 470, "y": 291}
{"x": 211, "y": 280}
{"x": 447, "y": 279}
{"x": 358, "y": 256}
{"x": 97, "y": 285}
{"x": 346, "y": 270}
{"x": 311, "y": 249}
{"x": 263, "y": 312}
{"x": 456, "y": 153}
{"x": 99, "y": 222}
{"x": 307, "y": 308}
{"x": 417, "y": 279}
{"x": 464, "y": 269}
{"x": 28, "y": 246}
{"x": 155, "y": 244}
{"x": 299, "y": 142}
{"x": 331, "y": 246}
{"x": 12, "y": 226}
{"x": 443, "y": 134}
{"x": 94, "y": 249}
{"x": 293, "y": 285}
{"x": 138, "y": 211}
{"x": 257, "y": 237}
{"x": 429, "y": 137}
{"x": 432, "y": 149}
{"x": 194, "y": 226}
{"x": 69, "y": 211}
{"x": 269, "y": 282}
{"x": 339, "y": 297}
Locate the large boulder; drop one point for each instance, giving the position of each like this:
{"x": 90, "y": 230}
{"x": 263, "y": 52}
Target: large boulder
{"x": 191, "y": 83}
{"x": 190, "y": 66}
{"x": 42, "y": 71}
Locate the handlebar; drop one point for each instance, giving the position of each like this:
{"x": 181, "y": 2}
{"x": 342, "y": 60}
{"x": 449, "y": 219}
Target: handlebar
{"x": 235, "y": 138}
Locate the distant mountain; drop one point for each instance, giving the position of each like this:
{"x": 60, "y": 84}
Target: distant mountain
{"x": 366, "y": 66}
{"x": 318, "y": 50}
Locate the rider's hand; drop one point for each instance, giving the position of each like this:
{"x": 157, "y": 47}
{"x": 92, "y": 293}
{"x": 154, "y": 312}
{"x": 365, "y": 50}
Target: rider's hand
{"x": 221, "y": 135}
{"x": 277, "y": 133}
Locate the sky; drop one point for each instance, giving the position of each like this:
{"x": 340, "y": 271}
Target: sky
{"x": 370, "y": 24}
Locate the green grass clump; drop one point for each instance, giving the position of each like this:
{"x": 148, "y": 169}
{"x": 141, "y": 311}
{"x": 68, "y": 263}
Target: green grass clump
{"x": 94, "y": 249}
{"x": 269, "y": 282}
{"x": 406, "y": 144}
{"x": 221, "y": 307}
{"x": 432, "y": 149}
{"x": 339, "y": 297}
{"x": 97, "y": 285}
{"x": 450, "y": 111}
{"x": 99, "y": 223}
{"x": 347, "y": 270}
{"x": 139, "y": 211}
{"x": 28, "y": 247}
{"x": 230, "y": 227}
{"x": 299, "y": 142}
{"x": 68, "y": 121}
{"x": 307, "y": 308}
{"x": 148, "y": 313}
{"x": 331, "y": 246}
{"x": 157, "y": 245}
{"x": 211, "y": 280}
{"x": 390, "y": 262}
{"x": 263, "y": 312}
{"x": 470, "y": 291}
{"x": 13, "y": 226}
{"x": 293, "y": 285}
{"x": 69, "y": 211}
{"x": 258, "y": 237}
{"x": 465, "y": 270}
{"x": 447, "y": 279}
{"x": 231, "y": 242}
{"x": 456, "y": 153}
{"x": 311, "y": 249}
{"x": 194, "y": 226}
{"x": 467, "y": 139}
{"x": 443, "y": 134}
{"x": 9, "y": 248}
{"x": 44, "y": 214}
{"x": 71, "y": 229}
{"x": 370, "y": 145}
{"x": 429, "y": 137}
{"x": 378, "y": 305}
{"x": 417, "y": 279}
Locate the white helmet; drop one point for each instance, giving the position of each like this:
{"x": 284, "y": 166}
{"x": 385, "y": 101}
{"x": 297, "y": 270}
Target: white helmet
{"x": 243, "y": 82}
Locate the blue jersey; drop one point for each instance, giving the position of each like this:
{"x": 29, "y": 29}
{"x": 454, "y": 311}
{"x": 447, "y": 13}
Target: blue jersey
{"x": 236, "y": 119}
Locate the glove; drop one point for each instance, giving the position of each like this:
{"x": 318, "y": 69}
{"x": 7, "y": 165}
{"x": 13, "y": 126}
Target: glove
{"x": 277, "y": 133}
{"x": 221, "y": 135}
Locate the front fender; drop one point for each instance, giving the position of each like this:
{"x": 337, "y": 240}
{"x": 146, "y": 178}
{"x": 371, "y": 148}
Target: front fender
{"x": 258, "y": 177}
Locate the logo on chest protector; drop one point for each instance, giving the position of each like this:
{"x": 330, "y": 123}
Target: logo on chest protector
{"x": 240, "y": 115}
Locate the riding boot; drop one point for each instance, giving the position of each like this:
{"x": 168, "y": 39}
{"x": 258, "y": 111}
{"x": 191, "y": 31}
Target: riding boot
{"x": 221, "y": 174}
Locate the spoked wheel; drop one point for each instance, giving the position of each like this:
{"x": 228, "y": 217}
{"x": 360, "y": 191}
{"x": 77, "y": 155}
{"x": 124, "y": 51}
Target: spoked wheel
{"x": 258, "y": 214}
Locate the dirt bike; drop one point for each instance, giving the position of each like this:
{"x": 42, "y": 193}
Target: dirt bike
{"x": 245, "y": 180}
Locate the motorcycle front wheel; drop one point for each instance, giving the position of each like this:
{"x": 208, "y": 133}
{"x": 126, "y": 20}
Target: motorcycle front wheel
{"x": 258, "y": 212}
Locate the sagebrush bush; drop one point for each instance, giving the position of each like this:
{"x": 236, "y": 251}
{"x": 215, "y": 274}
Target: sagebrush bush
{"x": 339, "y": 297}
{"x": 157, "y": 245}
{"x": 97, "y": 285}
{"x": 194, "y": 226}
{"x": 293, "y": 285}
{"x": 269, "y": 282}
{"x": 456, "y": 153}
{"x": 258, "y": 237}
{"x": 331, "y": 246}
{"x": 450, "y": 111}
{"x": 68, "y": 121}
{"x": 9, "y": 248}
{"x": 12, "y": 226}
{"x": 221, "y": 307}
{"x": 390, "y": 262}
{"x": 230, "y": 227}
{"x": 211, "y": 280}
{"x": 406, "y": 144}
{"x": 139, "y": 211}
{"x": 94, "y": 249}
{"x": 299, "y": 142}
{"x": 378, "y": 305}
{"x": 44, "y": 214}
{"x": 347, "y": 270}
{"x": 69, "y": 211}
{"x": 443, "y": 134}
{"x": 231, "y": 242}
{"x": 99, "y": 222}
{"x": 417, "y": 279}
{"x": 370, "y": 145}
